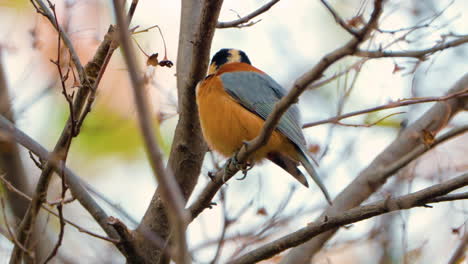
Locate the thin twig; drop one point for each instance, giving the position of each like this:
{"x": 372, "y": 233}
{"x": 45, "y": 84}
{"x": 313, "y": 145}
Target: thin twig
{"x": 79, "y": 228}
{"x": 419, "y": 54}
{"x": 242, "y": 22}
{"x": 69, "y": 99}
{"x": 41, "y": 8}
{"x": 11, "y": 234}
{"x": 226, "y": 223}
{"x": 399, "y": 103}
{"x": 339, "y": 20}
{"x": 117, "y": 207}
{"x": 450, "y": 197}
{"x": 131, "y": 10}
{"x": 78, "y": 191}
{"x": 87, "y": 77}
{"x": 460, "y": 252}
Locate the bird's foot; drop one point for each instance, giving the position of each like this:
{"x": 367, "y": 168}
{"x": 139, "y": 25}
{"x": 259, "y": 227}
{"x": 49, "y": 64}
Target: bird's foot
{"x": 227, "y": 171}
{"x": 244, "y": 167}
{"x": 248, "y": 166}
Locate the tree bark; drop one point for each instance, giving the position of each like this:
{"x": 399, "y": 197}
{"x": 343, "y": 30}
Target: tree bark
{"x": 198, "y": 22}
{"x": 10, "y": 159}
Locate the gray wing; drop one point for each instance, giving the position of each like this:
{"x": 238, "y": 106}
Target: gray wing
{"x": 258, "y": 93}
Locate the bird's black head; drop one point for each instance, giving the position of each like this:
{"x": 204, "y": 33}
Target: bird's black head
{"x": 227, "y": 56}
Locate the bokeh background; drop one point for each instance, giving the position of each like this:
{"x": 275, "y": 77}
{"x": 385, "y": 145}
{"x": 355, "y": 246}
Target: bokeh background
{"x": 284, "y": 42}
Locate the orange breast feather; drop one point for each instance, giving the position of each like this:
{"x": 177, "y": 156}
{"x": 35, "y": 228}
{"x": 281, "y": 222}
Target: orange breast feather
{"x": 226, "y": 124}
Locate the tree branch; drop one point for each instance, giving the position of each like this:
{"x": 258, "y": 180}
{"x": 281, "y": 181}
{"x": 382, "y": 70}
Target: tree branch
{"x": 333, "y": 221}
{"x": 399, "y": 103}
{"x": 301, "y": 84}
{"x": 170, "y": 192}
{"x": 198, "y": 22}
{"x": 339, "y": 20}
{"x": 389, "y": 160}
{"x": 460, "y": 251}
{"x": 43, "y": 10}
{"x": 78, "y": 191}
{"x": 419, "y": 54}
{"x": 89, "y": 79}
{"x": 10, "y": 159}
{"x": 242, "y": 22}
{"x": 280, "y": 108}
{"x": 10, "y": 186}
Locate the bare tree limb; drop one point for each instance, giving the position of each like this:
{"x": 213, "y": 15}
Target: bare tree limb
{"x": 332, "y": 221}
{"x": 339, "y": 20}
{"x": 204, "y": 199}
{"x": 89, "y": 79}
{"x": 419, "y": 54}
{"x": 198, "y": 22}
{"x": 280, "y": 108}
{"x": 42, "y": 9}
{"x": 450, "y": 197}
{"x": 376, "y": 174}
{"x": 171, "y": 195}
{"x": 243, "y": 21}
{"x": 79, "y": 228}
{"x": 301, "y": 84}
{"x": 10, "y": 159}
{"x": 78, "y": 191}
{"x": 460, "y": 251}
{"x": 399, "y": 103}
{"x": 11, "y": 234}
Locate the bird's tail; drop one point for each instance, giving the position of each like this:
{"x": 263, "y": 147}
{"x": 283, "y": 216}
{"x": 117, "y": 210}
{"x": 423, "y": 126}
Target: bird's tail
{"x": 305, "y": 161}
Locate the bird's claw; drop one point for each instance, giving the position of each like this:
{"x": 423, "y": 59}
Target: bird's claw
{"x": 245, "y": 169}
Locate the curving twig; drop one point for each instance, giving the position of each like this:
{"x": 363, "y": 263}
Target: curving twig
{"x": 10, "y": 187}
{"x": 339, "y": 20}
{"x": 399, "y": 103}
{"x": 419, "y": 54}
{"x": 243, "y": 21}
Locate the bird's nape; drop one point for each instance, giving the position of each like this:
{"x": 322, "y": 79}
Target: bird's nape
{"x": 225, "y": 56}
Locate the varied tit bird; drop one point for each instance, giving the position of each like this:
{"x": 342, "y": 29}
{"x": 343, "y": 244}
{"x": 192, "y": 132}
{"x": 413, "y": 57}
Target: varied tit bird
{"x": 233, "y": 102}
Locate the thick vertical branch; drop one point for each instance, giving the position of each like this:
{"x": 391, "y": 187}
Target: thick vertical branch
{"x": 198, "y": 22}
{"x": 169, "y": 190}
{"x": 10, "y": 160}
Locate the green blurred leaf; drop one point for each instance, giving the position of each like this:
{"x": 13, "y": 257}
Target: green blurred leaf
{"x": 105, "y": 133}
{"x": 14, "y": 3}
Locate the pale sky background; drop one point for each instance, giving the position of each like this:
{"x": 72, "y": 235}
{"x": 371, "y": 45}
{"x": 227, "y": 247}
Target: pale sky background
{"x": 288, "y": 41}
